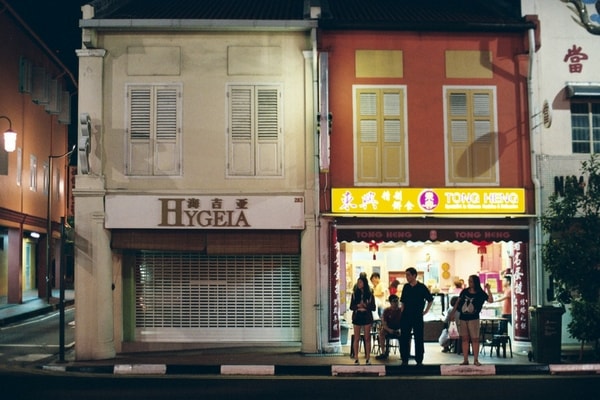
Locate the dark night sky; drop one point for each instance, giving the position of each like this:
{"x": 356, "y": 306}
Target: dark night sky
{"x": 56, "y": 22}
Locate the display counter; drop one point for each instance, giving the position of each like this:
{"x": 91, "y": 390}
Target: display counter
{"x": 432, "y": 330}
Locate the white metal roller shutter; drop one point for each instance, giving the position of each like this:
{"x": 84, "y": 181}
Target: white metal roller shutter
{"x": 197, "y": 298}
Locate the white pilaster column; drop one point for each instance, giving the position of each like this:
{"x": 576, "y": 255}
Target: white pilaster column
{"x": 94, "y": 327}
{"x": 94, "y": 337}
{"x": 311, "y": 328}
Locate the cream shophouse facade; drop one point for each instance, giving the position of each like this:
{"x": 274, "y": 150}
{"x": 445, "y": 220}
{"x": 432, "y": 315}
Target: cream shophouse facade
{"x": 194, "y": 199}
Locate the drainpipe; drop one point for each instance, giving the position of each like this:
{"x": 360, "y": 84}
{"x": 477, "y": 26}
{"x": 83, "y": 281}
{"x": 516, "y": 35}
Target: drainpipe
{"x": 538, "y": 295}
{"x": 318, "y": 299}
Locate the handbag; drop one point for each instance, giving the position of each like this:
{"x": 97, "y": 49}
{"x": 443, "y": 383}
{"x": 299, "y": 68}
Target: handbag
{"x": 453, "y": 330}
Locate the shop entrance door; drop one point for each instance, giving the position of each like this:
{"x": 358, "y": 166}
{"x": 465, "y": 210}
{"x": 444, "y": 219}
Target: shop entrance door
{"x": 29, "y": 262}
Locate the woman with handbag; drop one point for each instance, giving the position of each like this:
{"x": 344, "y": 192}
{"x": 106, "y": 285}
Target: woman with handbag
{"x": 470, "y": 303}
{"x": 362, "y": 305}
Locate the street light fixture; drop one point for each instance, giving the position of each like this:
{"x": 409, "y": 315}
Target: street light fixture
{"x": 10, "y": 137}
{"x": 49, "y": 222}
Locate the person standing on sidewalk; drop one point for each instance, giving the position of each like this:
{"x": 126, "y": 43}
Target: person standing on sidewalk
{"x": 470, "y": 303}
{"x": 413, "y": 298}
{"x": 362, "y": 305}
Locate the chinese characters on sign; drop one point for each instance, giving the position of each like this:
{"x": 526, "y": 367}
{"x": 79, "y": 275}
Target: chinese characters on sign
{"x": 335, "y": 284}
{"x": 520, "y": 290}
{"x": 174, "y": 213}
{"x": 574, "y": 57}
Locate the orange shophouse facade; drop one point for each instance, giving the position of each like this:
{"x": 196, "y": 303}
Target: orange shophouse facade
{"x": 426, "y": 164}
{"x": 35, "y": 102}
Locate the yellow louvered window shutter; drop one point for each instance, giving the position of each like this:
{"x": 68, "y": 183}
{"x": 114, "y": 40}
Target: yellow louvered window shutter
{"x": 471, "y": 137}
{"x": 380, "y": 138}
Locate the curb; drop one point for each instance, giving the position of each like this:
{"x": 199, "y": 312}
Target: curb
{"x": 140, "y": 369}
{"x": 574, "y": 368}
{"x": 320, "y": 370}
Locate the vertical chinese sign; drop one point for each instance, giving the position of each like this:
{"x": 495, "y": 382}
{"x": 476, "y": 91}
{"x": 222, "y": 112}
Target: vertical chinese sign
{"x": 334, "y": 284}
{"x": 520, "y": 291}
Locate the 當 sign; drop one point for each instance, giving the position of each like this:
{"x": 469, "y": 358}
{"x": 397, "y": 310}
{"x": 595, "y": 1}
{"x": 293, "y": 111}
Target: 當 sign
{"x": 427, "y": 201}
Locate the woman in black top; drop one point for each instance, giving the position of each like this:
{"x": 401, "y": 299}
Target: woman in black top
{"x": 469, "y": 305}
{"x": 362, "y": 305}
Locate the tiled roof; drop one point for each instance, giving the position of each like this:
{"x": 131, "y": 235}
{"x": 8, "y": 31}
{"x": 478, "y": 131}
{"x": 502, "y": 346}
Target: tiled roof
{"x": 336, "y": 14}
{"x": 200, "y": 9}
{"x": 423, "y": 14}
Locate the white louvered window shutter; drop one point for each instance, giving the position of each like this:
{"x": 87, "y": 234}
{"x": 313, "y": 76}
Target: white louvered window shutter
{"x": 268, "y": 131}
{"x": 154, "y": 130}
{"x": 254, "y": 134}
{"x": 166, "y": 148}
{"x": 139, "y": 150}
{"x": 241, "y": 145}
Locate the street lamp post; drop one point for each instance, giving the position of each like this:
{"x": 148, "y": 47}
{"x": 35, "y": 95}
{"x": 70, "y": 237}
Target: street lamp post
{"x": 49, "y": 222}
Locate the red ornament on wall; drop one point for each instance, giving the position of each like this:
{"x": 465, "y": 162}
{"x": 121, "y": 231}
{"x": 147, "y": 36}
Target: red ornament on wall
{"x": 374, "y": 248}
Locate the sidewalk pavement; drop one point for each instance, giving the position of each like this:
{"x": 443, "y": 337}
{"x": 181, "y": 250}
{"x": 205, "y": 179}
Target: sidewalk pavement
{"x": 33, "y": 306}
{"x": 279, "y": 359}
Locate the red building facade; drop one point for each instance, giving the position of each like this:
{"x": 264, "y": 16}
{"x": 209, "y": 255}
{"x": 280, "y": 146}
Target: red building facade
{"x": 427, "y": 160}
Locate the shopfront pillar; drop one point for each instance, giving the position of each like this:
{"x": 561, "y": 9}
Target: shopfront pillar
{"x": 15, "y": 287}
